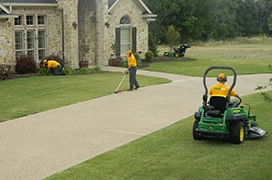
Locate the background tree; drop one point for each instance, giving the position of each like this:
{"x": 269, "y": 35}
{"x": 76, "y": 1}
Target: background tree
{"x": 222, "y": 25}
{"x": 246, "y": 18}
{"x": 153, "y": 44}
{"x": 172, "y": 36}
{"x": 263, "y": 11}
{"x": 270, "y": 23}
{"x": 209, "y": 19}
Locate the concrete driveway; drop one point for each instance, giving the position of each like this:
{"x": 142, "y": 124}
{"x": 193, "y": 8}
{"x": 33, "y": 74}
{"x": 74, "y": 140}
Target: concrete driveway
{"x": 39, "y": 145}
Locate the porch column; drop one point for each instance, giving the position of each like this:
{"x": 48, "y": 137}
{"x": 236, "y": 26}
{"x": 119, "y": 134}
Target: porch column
{"x": 101, "y": 8}
{"x": 70, "y": 33}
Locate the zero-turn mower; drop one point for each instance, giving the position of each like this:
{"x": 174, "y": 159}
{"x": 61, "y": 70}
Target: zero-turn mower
{"x": 223, "y": 118}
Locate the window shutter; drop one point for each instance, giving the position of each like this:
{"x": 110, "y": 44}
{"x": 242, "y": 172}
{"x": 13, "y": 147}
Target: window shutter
{"x": 117, "y": 41}
{"x": 134, "y": 39}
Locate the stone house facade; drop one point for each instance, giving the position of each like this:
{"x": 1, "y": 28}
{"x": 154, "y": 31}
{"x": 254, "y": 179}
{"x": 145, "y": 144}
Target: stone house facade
{"x": 43, "y": 27}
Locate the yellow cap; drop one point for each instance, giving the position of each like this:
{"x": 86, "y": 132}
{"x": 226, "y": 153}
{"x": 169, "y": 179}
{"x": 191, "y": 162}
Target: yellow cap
{"x": 128, "y": 53}
{"x": 221, "y": 77}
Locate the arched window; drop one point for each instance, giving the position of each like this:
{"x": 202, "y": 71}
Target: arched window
{"x": 125, "y": 34}
{"x": 125, "y": 20}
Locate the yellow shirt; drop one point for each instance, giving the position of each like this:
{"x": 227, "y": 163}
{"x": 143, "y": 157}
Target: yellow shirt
{"x": 221, "y": 90}
{"x": 131, "y": 60}
{"x": 52, "y": 64}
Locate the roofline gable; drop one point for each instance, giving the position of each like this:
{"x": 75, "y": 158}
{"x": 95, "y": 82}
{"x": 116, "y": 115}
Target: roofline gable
{"x": 138, "y": 2}
{"x": 4, "y": 8}
{"x": 6, "y": 13}
{"x": 146, "y": 11}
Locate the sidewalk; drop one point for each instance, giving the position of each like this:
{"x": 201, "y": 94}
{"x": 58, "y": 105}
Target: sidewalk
{"x": 43, "y": 144}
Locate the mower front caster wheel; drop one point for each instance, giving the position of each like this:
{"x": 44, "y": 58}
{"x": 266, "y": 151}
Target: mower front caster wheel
{"x": 195, "y": 133}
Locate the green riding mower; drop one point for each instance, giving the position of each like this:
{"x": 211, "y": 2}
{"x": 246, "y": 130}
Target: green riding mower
{"x": 177, "y": 52}
{"x": 223, "y": 118}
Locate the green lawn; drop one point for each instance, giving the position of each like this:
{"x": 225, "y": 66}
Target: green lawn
{"x": 24, "y": 96}
{"x": 171, "y": 153}
{"x": 250, "y": 58}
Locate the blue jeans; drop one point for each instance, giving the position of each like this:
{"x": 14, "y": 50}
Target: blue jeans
{"x": 132, "y": 78}
{"x": 58, "y": 70}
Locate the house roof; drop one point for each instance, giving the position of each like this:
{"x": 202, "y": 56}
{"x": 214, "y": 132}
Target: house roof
{"x": 5, "y": 13}
{"x": 30, "y": 1}
{"x": 146, "y": 13}
{"x": 111, "y": 2}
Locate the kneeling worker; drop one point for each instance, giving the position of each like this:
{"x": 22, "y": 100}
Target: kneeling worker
{"x": 54, "y": 65}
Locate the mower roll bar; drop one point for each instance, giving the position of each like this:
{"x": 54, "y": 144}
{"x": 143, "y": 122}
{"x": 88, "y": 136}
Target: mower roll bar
{"x": 205, "y": 96}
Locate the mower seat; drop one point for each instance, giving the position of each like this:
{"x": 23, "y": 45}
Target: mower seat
{"x": 218, "y": 105}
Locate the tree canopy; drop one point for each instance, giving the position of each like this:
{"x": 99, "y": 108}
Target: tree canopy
{"x": 210, "y": 19}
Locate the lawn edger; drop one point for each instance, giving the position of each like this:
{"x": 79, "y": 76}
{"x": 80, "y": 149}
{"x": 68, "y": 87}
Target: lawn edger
{"x": 177, "y": 52}
{"x": 223, "y": 118}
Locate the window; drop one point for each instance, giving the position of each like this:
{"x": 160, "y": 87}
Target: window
{"x": 19, "y": 46}
{"x": 125, "y": 40}
{"x": 125, "y": 34}
{"x": 30, "y": 43}
{"x": 29, "y": 20}
{"x": 41, "y": 42}
{"x": 18, "y": 21}
{"x": 30, "y": 39}
{"x": 41, "y": 20}
{"x": 125, "y": 20}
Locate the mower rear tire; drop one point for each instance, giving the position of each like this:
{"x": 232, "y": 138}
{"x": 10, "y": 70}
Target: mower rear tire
{"x": 195, "y": 133}
{"x": 237, "y": 132}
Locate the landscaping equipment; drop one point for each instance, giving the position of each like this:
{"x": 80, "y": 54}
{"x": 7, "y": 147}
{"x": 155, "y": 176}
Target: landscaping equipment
{"x": 178, "y": 52}
{"x": 221, "y": 118}
{"x": 117, "y": 89}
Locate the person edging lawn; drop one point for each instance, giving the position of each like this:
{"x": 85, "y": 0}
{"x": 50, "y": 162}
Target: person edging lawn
{"x": 132, "y": 70}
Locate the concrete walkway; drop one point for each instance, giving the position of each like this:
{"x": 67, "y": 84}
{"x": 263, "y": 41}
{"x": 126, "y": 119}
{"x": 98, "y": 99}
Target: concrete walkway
{"x": 43, "y": 144}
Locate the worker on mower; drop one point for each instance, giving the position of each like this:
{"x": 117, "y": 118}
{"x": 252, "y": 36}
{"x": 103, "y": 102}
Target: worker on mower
{"x": 132, "y": 69}
{"x": 54, "y": 65}
{"x": 221, "y": 89}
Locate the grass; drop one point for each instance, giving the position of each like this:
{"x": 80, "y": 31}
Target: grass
{"x": 25, "y": 96}
{"x": 171, "y": 153}
{"x": 250, "y": 58}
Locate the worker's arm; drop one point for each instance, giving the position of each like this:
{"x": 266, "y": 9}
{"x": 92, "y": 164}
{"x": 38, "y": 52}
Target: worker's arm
{"x": 47, "y": 71}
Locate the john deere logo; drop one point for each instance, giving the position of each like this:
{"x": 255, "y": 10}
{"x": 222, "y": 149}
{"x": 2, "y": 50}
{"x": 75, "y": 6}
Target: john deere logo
{"x": 211, "y": 128}
{"x": 236, "y": 111}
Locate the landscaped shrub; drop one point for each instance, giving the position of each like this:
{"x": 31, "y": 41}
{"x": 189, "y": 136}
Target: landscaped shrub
{"x": 83, "y": 71}
{"x": 123, "y": 62}
{"x": 153, "y": 44}
{"x": 69, "y": 71}
{"x": 149, "y": 56}
{"x": 42, "y": 71}
{"x": 138, "y": 59}
{"x": 96, "y": 69}
{"x": 25, "y": 64}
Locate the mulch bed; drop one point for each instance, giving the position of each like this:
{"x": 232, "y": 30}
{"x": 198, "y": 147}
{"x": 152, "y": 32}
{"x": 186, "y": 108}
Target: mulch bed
{"x": 164, "y": 59}
{"x": 143, "y": 62}
{"x": 14, "y": 75}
